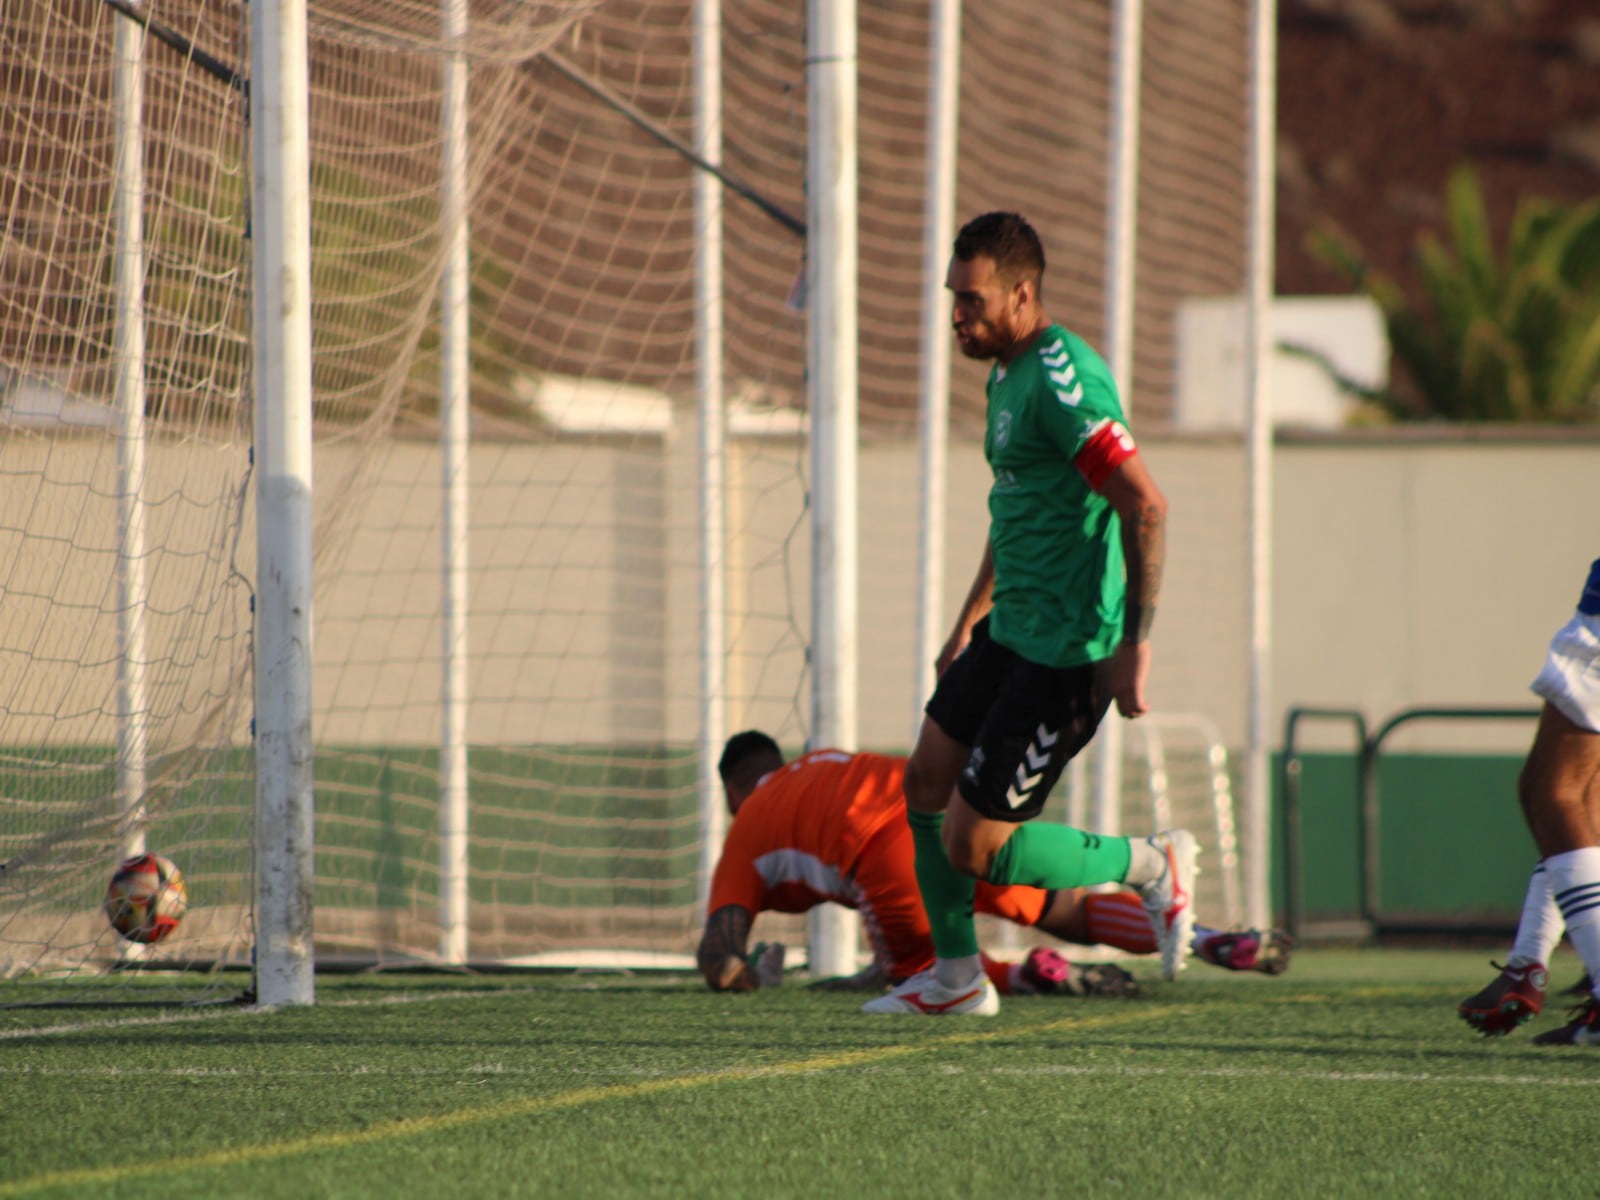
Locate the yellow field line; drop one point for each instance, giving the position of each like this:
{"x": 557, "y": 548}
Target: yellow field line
{"x": 407, "y": 1127}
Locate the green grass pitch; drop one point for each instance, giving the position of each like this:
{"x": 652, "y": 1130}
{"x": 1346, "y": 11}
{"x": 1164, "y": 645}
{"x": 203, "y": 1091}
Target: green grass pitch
{"x": 1349, "y": 1076}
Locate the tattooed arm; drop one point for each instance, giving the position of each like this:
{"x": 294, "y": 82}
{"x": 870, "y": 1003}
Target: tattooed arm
{"x": 1143, "y": 512}
{"x": 722, "y": 951}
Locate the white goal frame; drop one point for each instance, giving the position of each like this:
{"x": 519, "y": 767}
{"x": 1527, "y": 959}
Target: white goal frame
{"x": 280, "y": 99}
{"x": 280, "y": 68}
{"x": 1155, "y": 734}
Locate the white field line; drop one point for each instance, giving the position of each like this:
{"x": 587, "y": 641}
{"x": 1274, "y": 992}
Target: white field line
{"x": 656, "y": 1083}
{"x": 220, "y": 1012}
{"x": 500, "y": 1070}
{"x": 482, "y": 1070}
{"x": 1582, "y": 1081}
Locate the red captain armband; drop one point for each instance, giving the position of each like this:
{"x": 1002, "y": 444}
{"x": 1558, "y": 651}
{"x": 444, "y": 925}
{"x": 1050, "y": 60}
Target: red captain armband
{"x": 1107, "y": 447}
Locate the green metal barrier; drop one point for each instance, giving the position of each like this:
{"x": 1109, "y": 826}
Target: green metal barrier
{"x": 1369, "y": 750}
{"x": 1290, "y": 791}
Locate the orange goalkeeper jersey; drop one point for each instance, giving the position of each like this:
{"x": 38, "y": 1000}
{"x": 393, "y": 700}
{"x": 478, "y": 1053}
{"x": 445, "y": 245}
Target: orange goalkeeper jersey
{"x": 797, "y": 838}
{"x": 832, "y": 826}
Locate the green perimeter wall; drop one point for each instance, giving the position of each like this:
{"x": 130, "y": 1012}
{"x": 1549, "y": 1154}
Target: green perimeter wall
{"x": 1452, "y": 844}
{"x": 546, "y": 823}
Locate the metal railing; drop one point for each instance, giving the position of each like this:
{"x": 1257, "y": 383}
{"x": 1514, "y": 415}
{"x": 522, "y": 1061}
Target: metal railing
{"x": 1369, "y": 748}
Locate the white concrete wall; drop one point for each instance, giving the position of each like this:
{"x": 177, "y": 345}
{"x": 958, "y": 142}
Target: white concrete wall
{"x": 1410, "y": 569}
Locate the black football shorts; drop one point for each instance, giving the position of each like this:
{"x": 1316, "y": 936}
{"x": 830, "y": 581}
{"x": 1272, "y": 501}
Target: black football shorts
{"x": 1023, "y": 722}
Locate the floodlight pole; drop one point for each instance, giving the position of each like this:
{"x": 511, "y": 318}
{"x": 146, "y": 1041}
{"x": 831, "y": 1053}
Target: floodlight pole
{"x": 281, "y": 318}
{"x": 831, "y": 253}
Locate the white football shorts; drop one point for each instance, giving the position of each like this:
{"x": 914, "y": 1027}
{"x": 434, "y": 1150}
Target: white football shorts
{"x": 1570, "y": 680}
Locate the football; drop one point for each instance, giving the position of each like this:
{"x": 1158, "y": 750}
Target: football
{"x": 146, "y": 898}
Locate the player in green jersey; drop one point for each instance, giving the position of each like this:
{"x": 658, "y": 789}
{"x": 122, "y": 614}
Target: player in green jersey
{"x": 1054, "y": 629}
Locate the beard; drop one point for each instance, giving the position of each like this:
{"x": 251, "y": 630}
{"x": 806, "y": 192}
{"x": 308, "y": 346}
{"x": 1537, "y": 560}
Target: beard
{"x": 985, "y": 342}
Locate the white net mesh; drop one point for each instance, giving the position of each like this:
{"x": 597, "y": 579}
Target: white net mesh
{"x": 74, "y": 511}
{"x": 584, "y": 531}
{"x": 1177, "y": 775}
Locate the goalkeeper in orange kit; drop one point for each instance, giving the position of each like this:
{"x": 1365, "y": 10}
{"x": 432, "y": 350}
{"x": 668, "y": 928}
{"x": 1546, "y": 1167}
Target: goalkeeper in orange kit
{"x": 831, "y": 826}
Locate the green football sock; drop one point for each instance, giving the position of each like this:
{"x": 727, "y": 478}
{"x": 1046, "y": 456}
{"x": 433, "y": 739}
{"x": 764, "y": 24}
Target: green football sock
{"x": 946, "y": 892}
{"x": 1047, "y": 855}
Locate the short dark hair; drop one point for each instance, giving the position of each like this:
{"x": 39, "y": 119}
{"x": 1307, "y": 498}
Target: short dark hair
{"x": 1008, "y": 239}
{"x": 744, "y": 747}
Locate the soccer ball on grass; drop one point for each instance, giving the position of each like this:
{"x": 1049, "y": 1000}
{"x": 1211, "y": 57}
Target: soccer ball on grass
{"x": 146, "y": 898}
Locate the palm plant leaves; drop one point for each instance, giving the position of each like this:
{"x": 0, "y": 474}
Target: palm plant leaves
{"x": 1576, "y": 373}
{"x": 1496, "y": 339}
{"x": 1474, "y": 244}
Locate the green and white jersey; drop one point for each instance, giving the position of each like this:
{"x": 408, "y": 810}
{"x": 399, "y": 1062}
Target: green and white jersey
{"x": 1059, "y": 580}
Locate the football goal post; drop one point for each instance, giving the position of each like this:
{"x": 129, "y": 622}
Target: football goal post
{"x": 395, "y": 554}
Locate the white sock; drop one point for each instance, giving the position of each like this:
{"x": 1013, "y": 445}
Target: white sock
{"x": 1539, "y": 930}
{"x": 1575, "y": 883}
{"x": 958, "y": 972}
{"x": 1146, "y": 864}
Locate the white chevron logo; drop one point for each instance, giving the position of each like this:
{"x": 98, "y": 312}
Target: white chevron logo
{"x": 1054, "y": 355}
{"x": 1031, "y": 770}
{"x": 1068, "y": 390}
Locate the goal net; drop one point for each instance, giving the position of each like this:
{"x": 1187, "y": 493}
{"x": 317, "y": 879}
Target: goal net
{"x": 124, "y": 644}
{"x": 126, "y": 509}
{"x": 1177, "y": 775}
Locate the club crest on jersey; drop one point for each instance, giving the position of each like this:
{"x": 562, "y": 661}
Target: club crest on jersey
{"x": 1002, "y": 429}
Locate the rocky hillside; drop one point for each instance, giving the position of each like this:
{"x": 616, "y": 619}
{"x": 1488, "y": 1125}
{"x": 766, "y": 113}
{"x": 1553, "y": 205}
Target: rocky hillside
{"x": 1380, "y": 99}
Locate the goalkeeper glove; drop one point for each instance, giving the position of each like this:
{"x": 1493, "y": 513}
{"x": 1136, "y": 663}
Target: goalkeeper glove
{"x": 765, "y": 963}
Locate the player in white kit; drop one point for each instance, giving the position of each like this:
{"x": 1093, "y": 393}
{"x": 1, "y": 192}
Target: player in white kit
{"x": 1560, "y": 793}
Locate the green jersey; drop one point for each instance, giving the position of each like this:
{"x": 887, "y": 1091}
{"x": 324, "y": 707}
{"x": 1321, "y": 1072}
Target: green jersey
{"x": 1059, "y": 581}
